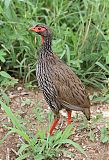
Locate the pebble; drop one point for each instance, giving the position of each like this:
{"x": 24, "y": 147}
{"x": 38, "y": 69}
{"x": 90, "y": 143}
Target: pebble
{"x": 19, "y": 88}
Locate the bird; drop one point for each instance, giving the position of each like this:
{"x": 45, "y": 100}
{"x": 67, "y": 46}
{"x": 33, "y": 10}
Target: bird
{"x": 61, "y": 87}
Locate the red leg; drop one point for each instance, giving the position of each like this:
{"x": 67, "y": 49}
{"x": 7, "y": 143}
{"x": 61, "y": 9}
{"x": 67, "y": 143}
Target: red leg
{"x": 69, "y": 120}
{"x": 53, "y": 125}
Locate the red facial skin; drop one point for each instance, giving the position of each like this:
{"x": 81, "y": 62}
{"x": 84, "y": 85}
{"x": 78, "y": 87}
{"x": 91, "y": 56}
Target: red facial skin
{"x": 42, "y": 39}
{"x": 38, "y": 30}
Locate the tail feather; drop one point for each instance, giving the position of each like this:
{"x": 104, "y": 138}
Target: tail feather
{"x": 87, "y": 113}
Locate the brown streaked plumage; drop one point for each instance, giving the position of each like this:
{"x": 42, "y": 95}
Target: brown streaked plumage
{"x": 60, "y": 85}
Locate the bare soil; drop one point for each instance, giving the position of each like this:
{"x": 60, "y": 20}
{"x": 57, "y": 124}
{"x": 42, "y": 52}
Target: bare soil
{"x": 24, "y": 104}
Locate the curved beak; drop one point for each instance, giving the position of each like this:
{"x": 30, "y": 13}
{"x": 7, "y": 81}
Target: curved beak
{"x": 32, "y": 29}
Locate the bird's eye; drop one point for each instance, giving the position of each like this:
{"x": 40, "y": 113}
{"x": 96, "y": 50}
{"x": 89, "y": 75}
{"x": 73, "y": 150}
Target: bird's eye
{"x": 39, "y": 28}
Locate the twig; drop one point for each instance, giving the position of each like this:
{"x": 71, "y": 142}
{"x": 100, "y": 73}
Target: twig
{"x": 8, "y": 154}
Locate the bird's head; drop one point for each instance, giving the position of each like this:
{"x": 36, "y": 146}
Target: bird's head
{"x": 42, "y": 30}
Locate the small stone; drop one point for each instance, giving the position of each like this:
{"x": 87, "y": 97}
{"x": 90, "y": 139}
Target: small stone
{"x": 19, "y": 88}
{"x": 11, "y": 96}
{"x": 1, "y": 130}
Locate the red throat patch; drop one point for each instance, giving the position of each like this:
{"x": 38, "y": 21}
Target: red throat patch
{"x": 42, "y": 39}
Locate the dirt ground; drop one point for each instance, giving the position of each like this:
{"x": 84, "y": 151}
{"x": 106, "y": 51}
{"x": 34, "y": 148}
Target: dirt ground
{"x": 23, "y": 104}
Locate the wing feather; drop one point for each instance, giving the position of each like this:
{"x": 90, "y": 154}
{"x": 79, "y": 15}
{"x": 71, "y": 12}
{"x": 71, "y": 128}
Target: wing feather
{"x": 70, "y": 90}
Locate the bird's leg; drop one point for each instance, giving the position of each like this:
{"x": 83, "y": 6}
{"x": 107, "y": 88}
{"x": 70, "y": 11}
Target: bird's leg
{"x": 55, "y": 121}
{"x": 69, "y": 120}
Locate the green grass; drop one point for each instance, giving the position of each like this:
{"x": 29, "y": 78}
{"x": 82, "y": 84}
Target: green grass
{"x": 39, "y": 146}
{"x": 80, "y": 30}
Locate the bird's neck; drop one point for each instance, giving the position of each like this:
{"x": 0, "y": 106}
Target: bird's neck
{"x": 46, "y": 43}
